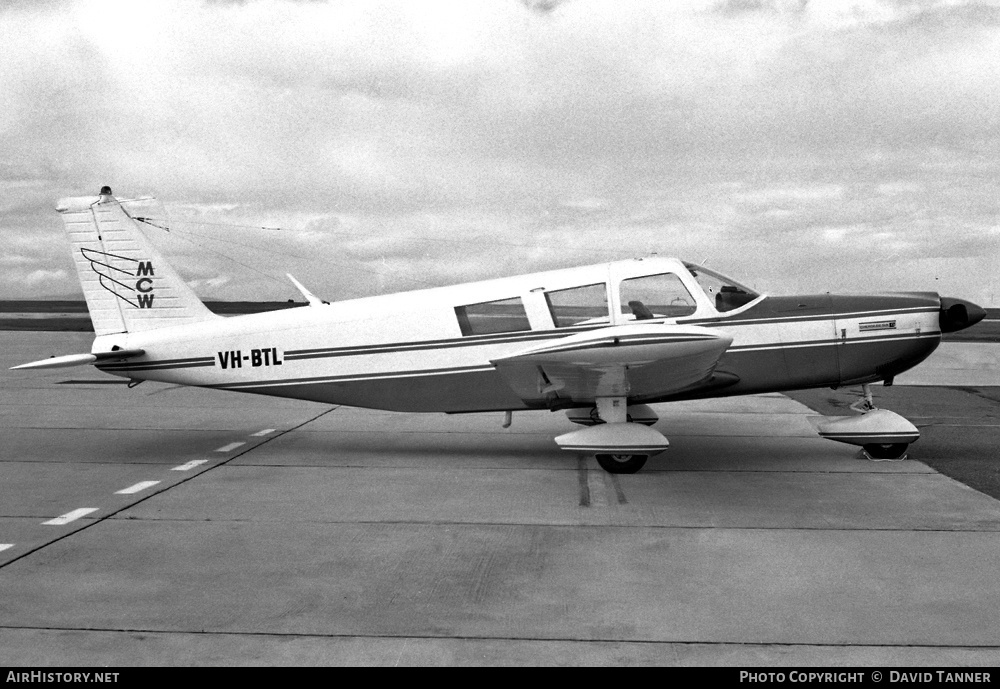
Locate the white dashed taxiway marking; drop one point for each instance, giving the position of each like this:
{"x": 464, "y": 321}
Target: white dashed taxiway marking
{"x": 70, "y": 516}
{"x": 266, "y": 431}
{"x": 142, "y": 485}
{"x": 187, "y": 466}
{"x": 230, "y": 447}
{"x": 5, "y": 546}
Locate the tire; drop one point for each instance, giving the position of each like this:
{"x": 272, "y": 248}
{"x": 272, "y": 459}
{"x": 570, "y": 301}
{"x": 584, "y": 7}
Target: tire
{"x": 621, "y": 464}
{"x": 886, "y": 450}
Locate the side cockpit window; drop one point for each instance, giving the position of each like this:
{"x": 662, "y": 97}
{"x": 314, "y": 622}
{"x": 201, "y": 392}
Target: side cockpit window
{"x": 485, "y": 318}
{"x": 656, "y": 296}
{"x": 586, "y": 305}
{"x": 725, "y": 293}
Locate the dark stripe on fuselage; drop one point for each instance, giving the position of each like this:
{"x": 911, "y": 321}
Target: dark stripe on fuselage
{"x": 481, "y": 389}
{"x": 773, "y": 320}
{"x": 190, "y": 362}
{"x": 530, "y": 336}
{"x": 457, "y": 369}
{"x": 414, "y": 373}
{"x": 559, "y": 333}
{"x": 837, "y": 341}
{"x": 471, "y": 341}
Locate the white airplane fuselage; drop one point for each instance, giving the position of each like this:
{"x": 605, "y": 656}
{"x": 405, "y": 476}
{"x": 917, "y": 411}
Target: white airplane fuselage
{"x": 407, "y": 351}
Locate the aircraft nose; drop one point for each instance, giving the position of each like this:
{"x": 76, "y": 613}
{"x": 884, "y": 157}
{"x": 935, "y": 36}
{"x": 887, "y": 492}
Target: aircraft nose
{"x": 958, "y": 314}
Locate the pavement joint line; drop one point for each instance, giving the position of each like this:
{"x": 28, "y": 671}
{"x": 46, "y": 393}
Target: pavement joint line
{"x": 498, "y": 637}
{"x": 187, "y": 466}
{"x": 572, "y": 525}
{"x": 646, "y": 470}
{"x": 964, "y": 425}
{"x": 185, "y": 479}
{"x": 71, "y": 516}
{"x": 260, "y": 434}
{"x": 135, "y": 488}
{"x": 230, "y": 447}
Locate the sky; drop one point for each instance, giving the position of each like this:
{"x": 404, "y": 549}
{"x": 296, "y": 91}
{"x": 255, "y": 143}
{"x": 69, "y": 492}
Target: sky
{"x": 798, "y": 146}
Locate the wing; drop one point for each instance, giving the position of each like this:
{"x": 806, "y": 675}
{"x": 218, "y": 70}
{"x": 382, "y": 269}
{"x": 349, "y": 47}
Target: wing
{"x": 637, "y": 361}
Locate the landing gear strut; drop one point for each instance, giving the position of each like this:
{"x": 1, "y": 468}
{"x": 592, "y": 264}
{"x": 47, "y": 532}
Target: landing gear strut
{"x": 866, "y": 403}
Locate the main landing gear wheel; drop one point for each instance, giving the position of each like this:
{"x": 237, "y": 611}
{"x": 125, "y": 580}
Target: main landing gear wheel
{"x": 621, "y": 464}
{"x": 885, "y": 450}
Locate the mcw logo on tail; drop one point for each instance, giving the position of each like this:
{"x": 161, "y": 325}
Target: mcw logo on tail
{"x": 132, "y": 283}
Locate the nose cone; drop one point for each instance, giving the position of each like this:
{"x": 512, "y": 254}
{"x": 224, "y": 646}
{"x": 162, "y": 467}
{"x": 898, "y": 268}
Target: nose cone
{"x": 958, "y": 314}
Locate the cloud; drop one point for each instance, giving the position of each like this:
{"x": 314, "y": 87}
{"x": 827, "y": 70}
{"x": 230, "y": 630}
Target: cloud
{"x": 562, "y": 131}
{"x": 794, "y": 194}
{"x": 37, "y": 276}
{"x": 21, "y": 281}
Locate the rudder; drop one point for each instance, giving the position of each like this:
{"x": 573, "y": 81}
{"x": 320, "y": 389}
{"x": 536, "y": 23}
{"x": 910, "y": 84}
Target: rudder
{"x": 128, "y": 285}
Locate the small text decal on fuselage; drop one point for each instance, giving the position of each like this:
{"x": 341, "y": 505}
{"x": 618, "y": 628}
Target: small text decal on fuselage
{"x": 877, "y": 325}
{"x": 257, "y": 357}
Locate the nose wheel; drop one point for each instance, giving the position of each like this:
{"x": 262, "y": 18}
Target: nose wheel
{"x": 621, "y": 464}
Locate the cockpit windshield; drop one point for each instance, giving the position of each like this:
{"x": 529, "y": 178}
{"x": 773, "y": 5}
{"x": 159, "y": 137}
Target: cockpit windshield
{"x": 725, "y": 293}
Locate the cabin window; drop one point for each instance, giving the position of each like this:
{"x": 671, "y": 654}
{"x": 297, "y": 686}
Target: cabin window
{"x": 656, "y": 296}
{"x": 504, "y": 316}
{"x": 579, "y": 305}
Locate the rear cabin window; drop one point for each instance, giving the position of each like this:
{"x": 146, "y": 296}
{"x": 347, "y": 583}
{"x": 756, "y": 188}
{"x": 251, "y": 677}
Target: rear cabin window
{"x": 656, "y": 296}
{"x": 504, "y": 316}
{"x": 579, "y": 305}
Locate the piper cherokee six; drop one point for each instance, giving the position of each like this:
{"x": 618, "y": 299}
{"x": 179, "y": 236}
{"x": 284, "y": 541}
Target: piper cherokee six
{"x": 601, "y": 342}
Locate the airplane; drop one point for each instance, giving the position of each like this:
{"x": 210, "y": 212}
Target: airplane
{"x": 600, "y": 342}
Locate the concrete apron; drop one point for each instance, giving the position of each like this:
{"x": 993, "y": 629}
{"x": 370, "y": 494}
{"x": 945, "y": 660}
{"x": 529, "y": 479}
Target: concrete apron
{"x": 379, "y": 538}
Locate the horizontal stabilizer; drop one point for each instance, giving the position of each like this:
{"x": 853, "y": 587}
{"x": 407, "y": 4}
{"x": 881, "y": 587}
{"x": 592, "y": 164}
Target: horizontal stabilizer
{"x": 80, "y": 359}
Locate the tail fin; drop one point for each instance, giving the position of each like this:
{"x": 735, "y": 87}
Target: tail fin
{"x": 128, "y": 285}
